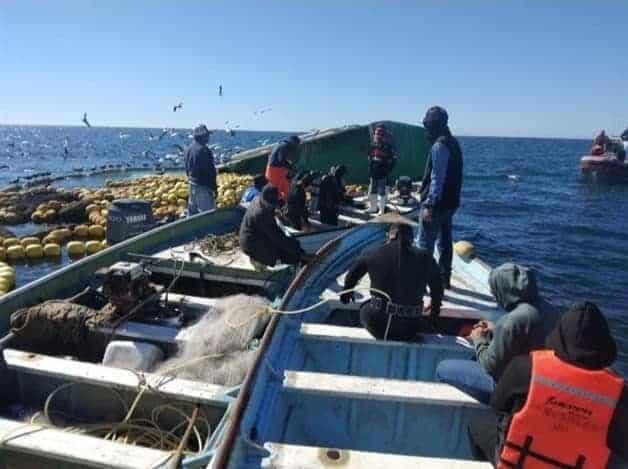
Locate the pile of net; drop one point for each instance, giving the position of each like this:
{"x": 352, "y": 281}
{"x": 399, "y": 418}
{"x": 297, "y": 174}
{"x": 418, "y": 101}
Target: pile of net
{"x": 216, "y": 244}
{"x": 226, "y": 335}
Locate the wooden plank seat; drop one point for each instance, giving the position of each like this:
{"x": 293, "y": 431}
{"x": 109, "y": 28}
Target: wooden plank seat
{"x": 358, "y": 353}
{"x": 117, "y": 378}
{"x": 359, "y": 387}
{"x": 361, "y": 335}
{"x": 375, "y": 414}
{"x": 86, "y": 451}
{"x": 285, "y": 456}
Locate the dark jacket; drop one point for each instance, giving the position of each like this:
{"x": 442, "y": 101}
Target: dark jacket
{"x": 575, "y": 340}
{"x": 296, "y": 206}
{"x": 330, "y": 194}
{"x": 282, "y": 155}
{"x": 524, "y": 326}
{"x": 402, "y": 271}
{"x": 450, "y": 197}
{"x": 199, "y": 165}
{"x": 382, "y": 158}
{"x": 262, "y": 239}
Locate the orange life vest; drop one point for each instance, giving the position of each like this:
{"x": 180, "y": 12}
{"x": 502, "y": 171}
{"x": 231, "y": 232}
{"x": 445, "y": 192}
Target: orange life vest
{"x": 278, "y": 176}
{"x": 565, "y": 419}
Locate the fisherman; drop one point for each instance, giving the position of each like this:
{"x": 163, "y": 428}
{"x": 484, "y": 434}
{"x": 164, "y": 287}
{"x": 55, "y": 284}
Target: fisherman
{"x": 297, "y": 212}
{"x": 526, "y": 322}
{"x": 259, "y": 181}
{"x": 262, "y": 239}
{"x": 599, "y": 144}
{"x": 280, "y": 164}
{"x": 201, "y": 172}
{"x": 562, "y": 403}
{"x": 399, "y": 273}
{"x": 382, "y": 156}
{"x": 440, "y": 190}
{"x": 332, "y": 194}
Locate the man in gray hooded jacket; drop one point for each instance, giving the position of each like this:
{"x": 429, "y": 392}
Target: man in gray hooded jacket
{"x": 526, "y": 322}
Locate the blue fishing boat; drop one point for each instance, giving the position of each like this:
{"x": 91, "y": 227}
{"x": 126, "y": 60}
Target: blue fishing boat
{"x": 168, "y": 294}
{"x": 324, "y": 393}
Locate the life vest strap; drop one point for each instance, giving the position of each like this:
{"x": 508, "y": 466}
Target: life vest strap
{"x": 525, "y": 451}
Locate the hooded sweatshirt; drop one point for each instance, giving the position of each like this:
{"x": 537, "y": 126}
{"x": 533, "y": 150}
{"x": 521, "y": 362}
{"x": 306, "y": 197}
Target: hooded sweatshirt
{"x": 581, "y": 338}
{"x": 525, "y": 325}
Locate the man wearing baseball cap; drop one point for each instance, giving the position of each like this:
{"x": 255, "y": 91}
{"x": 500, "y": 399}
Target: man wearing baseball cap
{"x": 201, "y": 172}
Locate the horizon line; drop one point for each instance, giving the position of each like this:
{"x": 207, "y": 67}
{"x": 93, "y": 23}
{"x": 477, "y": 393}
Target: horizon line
{"x": 296, "y": 132}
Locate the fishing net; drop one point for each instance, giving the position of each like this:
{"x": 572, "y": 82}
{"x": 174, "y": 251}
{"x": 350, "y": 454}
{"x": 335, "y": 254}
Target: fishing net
{"x": 226, "y": 335}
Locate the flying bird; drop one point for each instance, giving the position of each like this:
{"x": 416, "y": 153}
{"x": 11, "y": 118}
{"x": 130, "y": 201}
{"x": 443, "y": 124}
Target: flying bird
{"x": 262, "y": 111}
{"x": 85, "y": 121}
{"x": 220, "y": 91}
{"x": 177, "y": 107}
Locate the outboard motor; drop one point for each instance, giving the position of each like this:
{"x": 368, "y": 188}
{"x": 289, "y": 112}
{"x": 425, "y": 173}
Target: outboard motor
{"x": 127, "y": 218}
{"x": 404, "y": 186}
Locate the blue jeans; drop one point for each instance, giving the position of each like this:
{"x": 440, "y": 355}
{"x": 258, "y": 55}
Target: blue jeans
{"x": 438, "y": 229}
{"x": 468, "y": 376}
{"x": 201, "y": 199}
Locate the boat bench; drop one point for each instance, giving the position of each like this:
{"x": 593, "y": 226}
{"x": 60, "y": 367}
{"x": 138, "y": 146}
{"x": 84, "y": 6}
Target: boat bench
{"x": 284, "y": 456}
{"x": 356, "y": 352}
{"x": 49, "y": 443}
{"x": 375, "y": 414}
{"x": 117, "y": 378}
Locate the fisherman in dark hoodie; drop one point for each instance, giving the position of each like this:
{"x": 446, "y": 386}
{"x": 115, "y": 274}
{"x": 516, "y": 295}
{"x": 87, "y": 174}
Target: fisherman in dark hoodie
{"x": 201, "y": 172}
{"x": 526, "y": 322}
{"x": 296, "y": 203}
{"x": 581, "y": 349}
{"x": 260, "y": 236}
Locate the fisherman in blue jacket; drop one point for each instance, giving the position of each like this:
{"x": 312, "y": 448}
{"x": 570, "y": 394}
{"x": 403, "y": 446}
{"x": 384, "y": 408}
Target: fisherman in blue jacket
{"x": 201, "y": 172}
{"x": 440, "y": 190}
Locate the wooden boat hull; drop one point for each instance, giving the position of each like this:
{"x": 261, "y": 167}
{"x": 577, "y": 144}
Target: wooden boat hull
{"x": 345, "y": 145}
{"x": 296, "y": 394}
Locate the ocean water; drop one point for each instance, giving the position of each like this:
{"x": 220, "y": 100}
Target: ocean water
{"x": 522, "y": 201}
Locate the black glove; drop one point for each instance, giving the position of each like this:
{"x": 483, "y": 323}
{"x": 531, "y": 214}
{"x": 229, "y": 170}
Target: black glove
{"x": 347, "y": 297}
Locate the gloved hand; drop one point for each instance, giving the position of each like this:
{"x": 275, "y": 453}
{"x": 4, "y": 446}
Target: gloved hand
{"x": 347, "y": 297}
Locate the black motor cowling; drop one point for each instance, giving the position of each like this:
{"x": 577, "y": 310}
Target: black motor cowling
{"x": 127, "y": 218}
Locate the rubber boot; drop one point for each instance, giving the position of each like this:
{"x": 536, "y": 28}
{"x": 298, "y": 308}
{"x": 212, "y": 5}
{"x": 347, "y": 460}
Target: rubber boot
{"x": 372, "y": 203}
{"x": 382, "y": 204}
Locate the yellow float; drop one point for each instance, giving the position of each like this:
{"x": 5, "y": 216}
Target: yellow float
{"x": 76, "y": 248}
{"x": 8, "y": 275}
{"x": 8, "y": 242}
{"x": 3, "y": 254}
{"x": 93, "y": 246}
{"x": 15, "y": 252}
{"x": 34, "y": 251}
{"x": 81, "y": 231}
{"x": 52, "y": 250}
{"x": 29, "y": 240}
{"x": 61, "y": 233}
{"x": 96, "y": 231}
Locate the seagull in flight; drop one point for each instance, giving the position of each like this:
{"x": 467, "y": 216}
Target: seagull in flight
{"x": 262, "y": 111}
{"x": 85, "y": 121}
{"x": 177, "y": 107}
{"x": 220, "y": 91}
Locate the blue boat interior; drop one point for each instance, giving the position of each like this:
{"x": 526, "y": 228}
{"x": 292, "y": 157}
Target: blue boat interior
{"x": 323, "y": 383}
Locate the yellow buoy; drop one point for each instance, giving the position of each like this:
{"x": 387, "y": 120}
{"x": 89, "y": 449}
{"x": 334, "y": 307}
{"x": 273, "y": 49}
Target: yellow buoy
{"x": 104, "y": 244}
{"x": 96, "y": 231}
{"x": 464, "y": 249}
{"x": 61, "y": 233}
{"x": 81, "y": 231}
{"x": 8, "y": 242}
{"x": 8, "y": 275}
{"x": 76, "y": 248}
{"x": 91, "y": 208}
{"x": 34, "y": 251}
{"x": 3, "y": 254}
{"x": 15, "y": 252}
{"x": 29, "y": 240}
{"x": 52, "y": 250}
{"x": 4, "y": 285}
{"x": 93, "y": 246}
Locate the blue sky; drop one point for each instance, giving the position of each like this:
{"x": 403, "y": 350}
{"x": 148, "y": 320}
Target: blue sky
{"x": 533, "y": 68}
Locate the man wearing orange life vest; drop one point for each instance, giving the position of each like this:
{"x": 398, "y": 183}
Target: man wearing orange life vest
{"x": 280, "y": 164}
{"x": 560, "y": 407}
